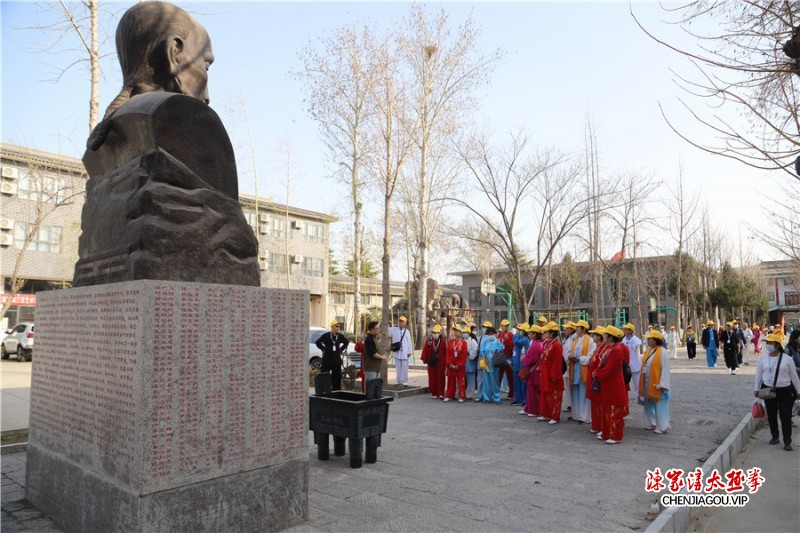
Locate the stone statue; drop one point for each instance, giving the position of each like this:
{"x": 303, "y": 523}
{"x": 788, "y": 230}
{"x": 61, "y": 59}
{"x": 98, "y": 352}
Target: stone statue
{"x": 162, "y": 199}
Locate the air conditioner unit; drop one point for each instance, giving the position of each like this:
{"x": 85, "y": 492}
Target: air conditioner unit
{"x": 262, "y": 254}
{"x": 6, "y": 239}
{"x": 296, "y": 225}
{"x": 263, "y": 217}
{"x": 262, "y": 265}
{"x": 8, "y": 188}
{"x": 297, "y": 259}
{"x": 6, "y": 223}
{"x": 263, "y": 229}
{"x": 10, "y": 173}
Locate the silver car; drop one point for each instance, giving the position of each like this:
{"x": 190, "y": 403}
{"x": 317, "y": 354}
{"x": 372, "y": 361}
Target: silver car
{"x": 19, "y": 340}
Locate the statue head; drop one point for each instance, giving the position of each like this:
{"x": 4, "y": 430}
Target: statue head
{"x": 162, "y": 48}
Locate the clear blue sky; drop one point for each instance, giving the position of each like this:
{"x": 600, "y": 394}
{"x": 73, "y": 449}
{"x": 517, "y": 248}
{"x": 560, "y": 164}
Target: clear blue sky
{"x": 562, "y": 62}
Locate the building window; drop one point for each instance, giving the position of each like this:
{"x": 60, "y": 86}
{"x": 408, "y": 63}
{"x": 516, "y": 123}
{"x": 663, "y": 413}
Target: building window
{"x": 312, "y": 267}
{"x": 338, "y": 298}
{"x": 475, "y": 296}
{"x": 585, "y": 292}
{"x": 791, "y": 298}
{"x": 313, "y": 232}
{"x": 276, "y": 263}
{"x": 252, "y": 220}
{"x": 47, "y": 240}
{"x": 277, "y": 227}
{"x": 365, "y": 299}
{"x": 32, "y": 186}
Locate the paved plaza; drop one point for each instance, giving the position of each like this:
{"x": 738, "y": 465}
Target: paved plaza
{"x": 475, "y": 467}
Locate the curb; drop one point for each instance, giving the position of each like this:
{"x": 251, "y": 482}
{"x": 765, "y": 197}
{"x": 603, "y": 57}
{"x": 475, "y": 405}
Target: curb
{"x": 678, "y": 519}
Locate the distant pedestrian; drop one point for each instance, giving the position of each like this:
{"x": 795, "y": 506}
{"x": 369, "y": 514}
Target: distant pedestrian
{"x": 333, "y": 344}
{"x": 710, "y": 341}
{"x": 672, "y": 342}
{"x": 456, "y": 359}
{"x": 730, "y": 347}
{"x": 471, "y": 366}
{"x": 776, "y": 370}
{"x": 401, "y": 350}
{"x": 433, "y": 355}
{"x": 691, "y": 343}
{"x": 634, "y": 345}
{"x": 373, "y": 359}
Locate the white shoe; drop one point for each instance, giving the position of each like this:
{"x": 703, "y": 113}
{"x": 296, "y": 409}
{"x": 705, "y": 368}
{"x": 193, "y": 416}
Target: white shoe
{"x": 541, "y": 418}
{"x": 532, "y": 416}
{"x": 553, "y": 422}
{"x": 594, "y": 431}
{"x": 434, "y": 396}
{"x": 609, "y": 441}
{"x": 446, "y": 400}
{"x": 461, "y": 400}
{"x": 600, "y": 437}
{"x": 658, "y": 432}
{"x": 477, "y": 399}
{"x": 521, "y": 412}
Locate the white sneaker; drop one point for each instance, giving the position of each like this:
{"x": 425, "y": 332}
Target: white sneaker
{"x": 532, "y": 416}
{"x": 521, "y": 412}
{"x": 553, "y": 422}
{"x": 541, "y": 418}
{"x": 594, "y": 431}
{"x": 609, "y": 441}
{"x": 460, "y": 400}
{"x": 477, "y": 399}
{"x": 446, "y": 400}
{"x": 658, "y": 432}
{"x": 600, "y": 437}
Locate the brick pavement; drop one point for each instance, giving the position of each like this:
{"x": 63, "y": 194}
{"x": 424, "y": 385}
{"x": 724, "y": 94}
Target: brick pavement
{"x": 475, "y": 467}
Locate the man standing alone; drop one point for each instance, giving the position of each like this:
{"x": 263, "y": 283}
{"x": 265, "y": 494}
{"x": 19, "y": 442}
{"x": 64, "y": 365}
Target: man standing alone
{"x": 332, "y": 345}
{"x": 401, "y": 350}
{"x": 710, "y": 341}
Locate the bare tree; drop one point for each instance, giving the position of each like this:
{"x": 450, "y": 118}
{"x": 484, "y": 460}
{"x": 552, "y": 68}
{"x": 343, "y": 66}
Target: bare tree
{"x": 683, "y": 210}
{"x": 338, "y": 80}
{"x": 745, "y": 64}
{"x": 44, "y": 190}
{"x": 445, "y": 68}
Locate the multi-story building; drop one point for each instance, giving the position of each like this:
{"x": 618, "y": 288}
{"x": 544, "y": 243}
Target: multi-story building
{"x": 342, "y": 299}
{"x": 783, "y": 289}
{"x": 636, "y": 293}
{"x": 41, "y": 198}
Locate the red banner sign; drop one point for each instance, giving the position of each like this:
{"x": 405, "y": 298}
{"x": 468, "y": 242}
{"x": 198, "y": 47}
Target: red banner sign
{"x": 20, "y": 300}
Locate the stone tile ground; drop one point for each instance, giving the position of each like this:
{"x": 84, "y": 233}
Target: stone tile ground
{"x": 475, "y": 467}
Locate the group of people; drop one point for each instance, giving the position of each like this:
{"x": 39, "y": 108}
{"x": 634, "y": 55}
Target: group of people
{"x": 737, "y": 342}
{"x": 595, "y": 367}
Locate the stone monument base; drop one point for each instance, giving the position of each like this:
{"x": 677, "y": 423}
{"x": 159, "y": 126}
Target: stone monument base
{"x": 170, "y": 406}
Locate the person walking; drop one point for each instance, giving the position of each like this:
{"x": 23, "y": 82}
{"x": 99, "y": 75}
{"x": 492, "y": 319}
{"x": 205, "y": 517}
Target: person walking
{"x": 740, "y": 344}
{"x": 521, "y": 345}
{"x": 401, "y": 350}
{"x": 777, "y": 384}
{"x": 552, "y": 370}
{"x": 372, "y": 357}
{"x": 433, "y": 355}
{"x": 747, "y": 349}
{"x": 533, "y": 377}
{"x": 456, "y": 359}
{"x": 613, "y": 393}
{"x": 654, "y": 387}
{"x": 691, "y": 343}
{"x": 333, "y": 344}
{"x": 757, "y": 337}
{"x": 730, "y": 347}
{"x": 490, "y": 346}
{"x": 672, "y": 342}
{"x": 634, "y": 345}
{"x": 710, "y": 342}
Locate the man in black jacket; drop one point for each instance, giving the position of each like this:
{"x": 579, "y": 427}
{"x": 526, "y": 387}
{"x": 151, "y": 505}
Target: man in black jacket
{"x": 729, "y": 339}
{"x": 332, "y": 345}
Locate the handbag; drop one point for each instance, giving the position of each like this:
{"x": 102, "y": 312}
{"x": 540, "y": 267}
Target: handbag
{"x": 399, "y": 344}
{"x": 595, "y": 385}
{"x": 499, "y": 358}
{"x": 758, "y": 409}
{"x": 768, "y": 393}
{"x": 524, "y": 372}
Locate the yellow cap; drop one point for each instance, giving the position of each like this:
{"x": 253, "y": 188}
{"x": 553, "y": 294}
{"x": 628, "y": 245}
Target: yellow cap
{"x": 599, "y": 330}
{"x": 569, "y": 325}
{"x": 436, "y": 329}
{"x": 334, "y": 323}
{"x": 504, "y": 322}
{"x": 710, "y": 323}
{"x": 403, "y": 319}
{"x": 728, "y": 323}
{"x": 654, "y": 335}
{"x": 672, "y": 328}
{"x": 522, "y": 327}
{"x": 550, "y": 326}
{"x": 487, "y": 324}
{"x": 582, "y": 324}
{"x": 536, "y": 328}
{"x": 542, "y": 320}
{"x": 614, "y": 331}
{"x": 629, "y": 326}
{"x": 773, "y": 337}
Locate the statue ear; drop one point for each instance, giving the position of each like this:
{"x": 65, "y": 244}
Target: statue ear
{"x": 174, "y": 51}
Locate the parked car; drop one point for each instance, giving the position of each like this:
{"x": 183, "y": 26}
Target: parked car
{"x": 19, "y": 340}
{"x": 315, "y": 354}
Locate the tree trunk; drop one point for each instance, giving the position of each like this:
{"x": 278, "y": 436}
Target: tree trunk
{"x": 386, "y": 314}
{"x": 356, "y": 246}
{"x": 422, "y": 265}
